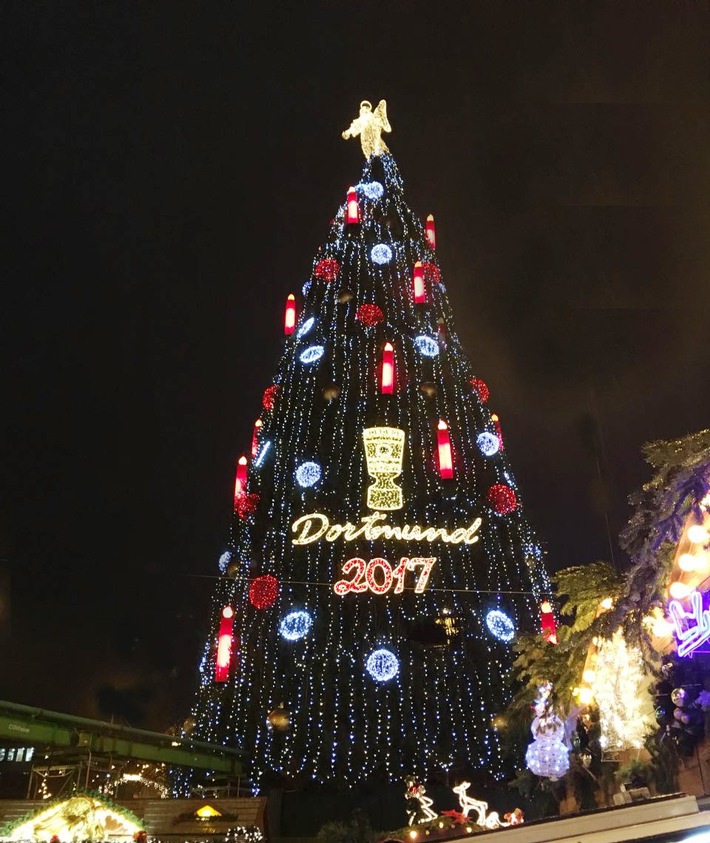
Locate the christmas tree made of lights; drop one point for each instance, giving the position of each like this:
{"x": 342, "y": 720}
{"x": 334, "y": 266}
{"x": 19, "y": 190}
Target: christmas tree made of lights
{"x": 379, "y": 565}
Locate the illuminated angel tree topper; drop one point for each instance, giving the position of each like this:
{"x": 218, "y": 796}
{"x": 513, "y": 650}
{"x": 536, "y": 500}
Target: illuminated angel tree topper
{"x": 380, "y": 563}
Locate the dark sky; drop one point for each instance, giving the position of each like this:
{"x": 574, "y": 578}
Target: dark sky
{"x": 171, "y": 168}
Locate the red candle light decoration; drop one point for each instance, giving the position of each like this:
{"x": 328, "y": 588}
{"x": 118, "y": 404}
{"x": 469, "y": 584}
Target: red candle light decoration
{"x": 352, "y": 215}
{"x": 224, "y": 645}
{"x": 290, "y": 315}
{"x": 255, "y": 437}
{"x": 498, "y": 429}
{"x": 418, "y": 283}
{"x": 547, "y": 622}
{"x": 387, "y": 379}
{"x": 431, "y": 231}
{"x": 446, "y": 465}
{"x": 240, "y": 484}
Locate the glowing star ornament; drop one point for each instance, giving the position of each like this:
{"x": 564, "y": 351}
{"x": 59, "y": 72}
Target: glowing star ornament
{"x": 369, "y": 125}
{"x": 263, "y": 591}
{"x": 308, "y": 474}
{"x": 443, "y": 441}
{"x": 224, "y": 645}
{"x": 290, "y": 315}
{"x": 387, "y": 372}
{"x": 295, "y": 625}
{"x": 500, "y": 625}
{"x": 488, "y": 443}
{"x": 381, "y": 253}
{"x": 547, "y": 756}
{"x": 352, "y": 212}
{"x": 418, "y": 289}
{"x": 430, "y": 229}
{"x": 384, "y": 453}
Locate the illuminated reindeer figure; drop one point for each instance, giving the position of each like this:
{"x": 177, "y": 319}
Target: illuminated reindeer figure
{"x": 469, "y": 804}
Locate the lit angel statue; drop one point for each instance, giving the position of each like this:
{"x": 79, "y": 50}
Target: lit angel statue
{"x": 370, "y": 125}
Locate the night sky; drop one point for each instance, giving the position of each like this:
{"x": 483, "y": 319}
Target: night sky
{"x": 169, "y": 171}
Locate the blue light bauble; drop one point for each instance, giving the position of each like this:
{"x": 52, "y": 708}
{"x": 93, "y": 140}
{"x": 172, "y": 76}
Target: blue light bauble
{"x": 427, "y": 346}
{"x": 381, "y": 253}
{"x": 311, "y": 354}
{"x": 500, "y": 625}
{"x": 372, "y": 189}
{"x": 305, "y": 327}
{"x": 308, "y": 474}
{"x": 224, "y": 561}
{"x": 262, "y": 453}
{"x": 488, "y": 443}
{"x": 306, "y": 287}
{"x": 295, "y": 625}
{"x": 382, "y": 665}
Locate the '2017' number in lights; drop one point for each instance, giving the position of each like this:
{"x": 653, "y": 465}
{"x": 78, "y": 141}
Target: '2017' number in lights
{"x": 377, "y": 575}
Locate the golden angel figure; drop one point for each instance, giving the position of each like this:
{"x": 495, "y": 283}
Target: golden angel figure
{"x": 370, "y": 125}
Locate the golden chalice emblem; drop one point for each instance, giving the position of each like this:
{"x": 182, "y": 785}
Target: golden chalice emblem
{"x": 384, "y": 451}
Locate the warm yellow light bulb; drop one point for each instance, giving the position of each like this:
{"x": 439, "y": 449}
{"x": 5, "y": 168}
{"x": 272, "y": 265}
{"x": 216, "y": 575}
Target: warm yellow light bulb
{"x": 607, "y": 603}
{"x": 687, "y": 562}
{"x": 661, "y": 628}
{"x": 697, "y": 534}
{"x": 589, "y": 676}
{"x": 585, "y": 696}
{"x": 679, "y": 590}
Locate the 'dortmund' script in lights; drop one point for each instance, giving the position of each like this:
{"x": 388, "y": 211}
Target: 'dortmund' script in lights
{"x": 312, "y": 528}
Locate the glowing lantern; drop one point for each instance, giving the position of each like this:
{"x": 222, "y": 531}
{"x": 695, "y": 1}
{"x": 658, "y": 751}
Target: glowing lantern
{"x": 687, "y": 562}
{"x": 224, "y": 645}
{"x": 353, "y": 212}
{"x": 240, "y": 484}
{"x": 431, "y": 231}
{"x": 547, "y": 622}
{"x": 290, "y": 315}
{"x": 388, "y": 369}
{"x": 697, "y": 534}
{"x": 446, "y": 465}
{"x": 255, "y": 437}
{"x": 418, "y": 283}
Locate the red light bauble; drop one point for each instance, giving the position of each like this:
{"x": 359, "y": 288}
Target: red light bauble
{"x": 480, "y": 388}
{"x": 502, "y": 498}
{"x": 263, "y": 591}
{"x": 432, "y": 273}
{"x": 271, "y": 393}
{"x": 369, "y": 314}
{"x": 327, "y": 269}
{"x": 246, "y": 504}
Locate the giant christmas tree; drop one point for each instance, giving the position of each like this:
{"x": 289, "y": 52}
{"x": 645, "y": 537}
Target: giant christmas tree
{"x": 379, "y": 564}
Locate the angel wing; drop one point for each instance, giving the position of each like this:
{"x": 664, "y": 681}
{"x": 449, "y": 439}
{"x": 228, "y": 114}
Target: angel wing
{"x": 380, "y": 114}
